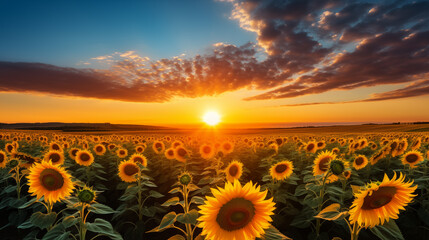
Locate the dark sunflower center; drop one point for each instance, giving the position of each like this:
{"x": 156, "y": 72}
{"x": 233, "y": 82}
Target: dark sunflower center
{"x": 55, "y": 147}
{"x": 54, "y": 157}
{"x": 170, "y": 152}
{"x": 359, "y": 161}
{"x": 279, "y": 141}
{"x": 319, "y": 144}
{"x": 235, "y": 214}
{"x": 130, "y": 170}
{"x": 393, "y": 145}
{"x": 182, "y": 152}
{"x": 139, "y": 149}
{"x": 9, "y": 148}
{"x": 206, "y": 149}
{"x": 85, "y": 157}
{"x": 281, "y": 168}
{"x": 310, "y": 147}
{"x": 122, "y": 152}
{"x": 379, "y": 198}
{"x": 99, "y": 149}
{"x": 113, "y": 146}
{"x": 51, "y": 179}
{"x": 412, "y": 158}
{"x": 158, "y": 145}
{"x": 324, "y": 163}
{"x": 1, "y": 157}
{"x": 138, "y": 159}
{"x": 233, "y": 170}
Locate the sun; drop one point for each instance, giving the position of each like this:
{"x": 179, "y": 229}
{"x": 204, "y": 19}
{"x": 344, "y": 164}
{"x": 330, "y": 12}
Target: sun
{"x": 212, "y": 118}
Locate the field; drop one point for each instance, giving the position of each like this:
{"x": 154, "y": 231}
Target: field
{"x": 343, "y": 182}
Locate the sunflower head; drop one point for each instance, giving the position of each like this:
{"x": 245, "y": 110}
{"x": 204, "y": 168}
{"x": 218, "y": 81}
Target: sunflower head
{"x": 49, "y": 180}
{"x": 158, "y": 147}
{"x": 236, "y": 212}
{"x": 180, "y": 153}
{"x": 185, "y": 178}
{"x": 281, "y": 170}
{"x": 322, "y": 162}
{"x": 56, "y": 157}
{"x": 13, "y": 163}
{"x": 412, "y": 158}
{"x": 122, "y": 152}
{"x": 234, "y": 171}
{"x": 227, "y": 147}
{"x": 139, "y": 159}
{"x": 311, "y": 147}
{"x": 169, "y": 153}
{"x": 337, "y": 167}
{"x": 3, "y": 159}
{"x": 381, "y": 201}
{"x": 99, "y": 149}
{"x": 360, "y": 162}
{"x": 84, "y": 157}
{"x": 207, "y": 151}
{"x": 128, "y": 171}
{"x": 86, "y": 195}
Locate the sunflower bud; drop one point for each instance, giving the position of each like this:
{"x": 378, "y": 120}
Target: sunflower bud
{"x": 337, "y": 167}
{"x": 185, "y": 178}
{"x": 86, "y": 195}
{"x": 13, "y": 163}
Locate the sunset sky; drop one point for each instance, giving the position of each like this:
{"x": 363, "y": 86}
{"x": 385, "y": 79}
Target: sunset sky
{"x": 168, "y": 62}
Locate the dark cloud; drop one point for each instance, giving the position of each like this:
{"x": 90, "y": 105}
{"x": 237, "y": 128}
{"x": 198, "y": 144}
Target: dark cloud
{"x": 303, "y": 47}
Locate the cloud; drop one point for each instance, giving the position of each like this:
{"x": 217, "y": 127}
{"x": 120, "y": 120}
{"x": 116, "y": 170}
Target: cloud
{"x": 303, "y": 47}
{"x": 420, "y": 88}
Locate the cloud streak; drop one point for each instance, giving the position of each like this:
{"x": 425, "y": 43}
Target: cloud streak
{"x": 303, "y": 47}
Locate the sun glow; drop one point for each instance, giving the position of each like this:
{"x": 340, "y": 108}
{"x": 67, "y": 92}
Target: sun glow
{"x": 211, "y": 118}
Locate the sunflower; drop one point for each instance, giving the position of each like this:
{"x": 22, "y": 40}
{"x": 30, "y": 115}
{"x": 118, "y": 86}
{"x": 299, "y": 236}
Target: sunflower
{"x": 234, "y": 171}
{"x": 360, "y": 162}
{"x": 72, "y": 153}
{"x": 139, "y": 158}
{"x": 412, "y": 158}
{"x": 128, "y": 170}
{"x": 416, "y": 144}
{"x": 322, "y": 161}
{"x": 379, "y": 202}
{"x": 377, "y": 156}
{"x": 321, "y": 145}
{"x": 99, "y": 149}
{"x": 176, "y": 144}
{"x": 140, "y": 148}
{"x": 236, "y": 212}
{"x": 347, "y": 174}
{"x": 281, "y": 170}
{"x": 394, "y": 147}
{"x": 180, "y": 153}
{"x": 336, "y": 150}
{"x": 49, "y": 180}
{"x": 9, "y": 148}
{"x": 3, "y": 159}
{"x": 122, "y": 152}
{"x": 84, "y": 157}
{"x": 169, "y": 153}
{"x": 311, "y": 147}
{"x": 402, "y": 146}
{"x": 56, "y": 157}
{"x": 55, "y": 146}
{"x": 206, "y": 151}
{"x": 227, "y": 147}
{"x": 158, "y": 147}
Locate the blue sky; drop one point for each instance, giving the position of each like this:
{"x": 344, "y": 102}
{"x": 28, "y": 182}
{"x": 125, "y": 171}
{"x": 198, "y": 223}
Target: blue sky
{"x": 67, "y": 32}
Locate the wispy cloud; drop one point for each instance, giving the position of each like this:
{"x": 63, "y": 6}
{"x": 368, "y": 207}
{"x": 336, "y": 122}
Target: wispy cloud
{"x": 309, "y": 47}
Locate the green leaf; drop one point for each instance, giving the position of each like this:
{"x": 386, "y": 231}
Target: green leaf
{"x": 177, "y": 237}
{"x": 69, "y": 221}
{"x": 190, "y": 217}
{"x": 56, "y": 232}
{"x": 166, "y": 222}
{"x": 171, "y": 201}
{"x": 175, "y": 190}
{"x": 331, "y": 213}
{"x": 149, "y": 184}
{"x": 43, "y": 220}
{"x": 103, "y": 227}
{"x": 198, "y": 200}
{"x": 26, "y": 224}
{"x": 273, "y": 234}
{"x": 29, "y": 203}
{"x": 388, "y": 231}
{"x": 155, "y": 194}
{"x": 100, "y": 209}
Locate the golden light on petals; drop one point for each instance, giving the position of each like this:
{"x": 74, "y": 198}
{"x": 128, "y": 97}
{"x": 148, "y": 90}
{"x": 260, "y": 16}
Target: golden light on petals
{"x": 236, "y": 212}
{"x": 234, "y": 171}
{"x": 127, "y": 171}
{"x": 322, "y": 161}
{"x": 56, "y": 157}
{"x": 380, "y": 202}
{"x": 281, "y": 170}
{"x": 49, "y": 180}
{"x": 84, "y": 157}
{"x": 412, "y": 158}
{"x": 360, "y": 162}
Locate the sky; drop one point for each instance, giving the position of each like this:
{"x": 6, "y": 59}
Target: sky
{"x": 256, "y": 62}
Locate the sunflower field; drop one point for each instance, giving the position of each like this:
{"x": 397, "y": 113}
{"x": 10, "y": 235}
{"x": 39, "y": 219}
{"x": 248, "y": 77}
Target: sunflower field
{"x": 60, "y": 186}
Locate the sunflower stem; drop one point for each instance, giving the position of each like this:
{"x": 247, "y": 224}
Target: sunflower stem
{"x": 355, "y": 232}
{"x": 186, "y": 210}
{"x": 139, "y": 199}
{"x": 319, "y": 208}
{"x": 82, "y": 227}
